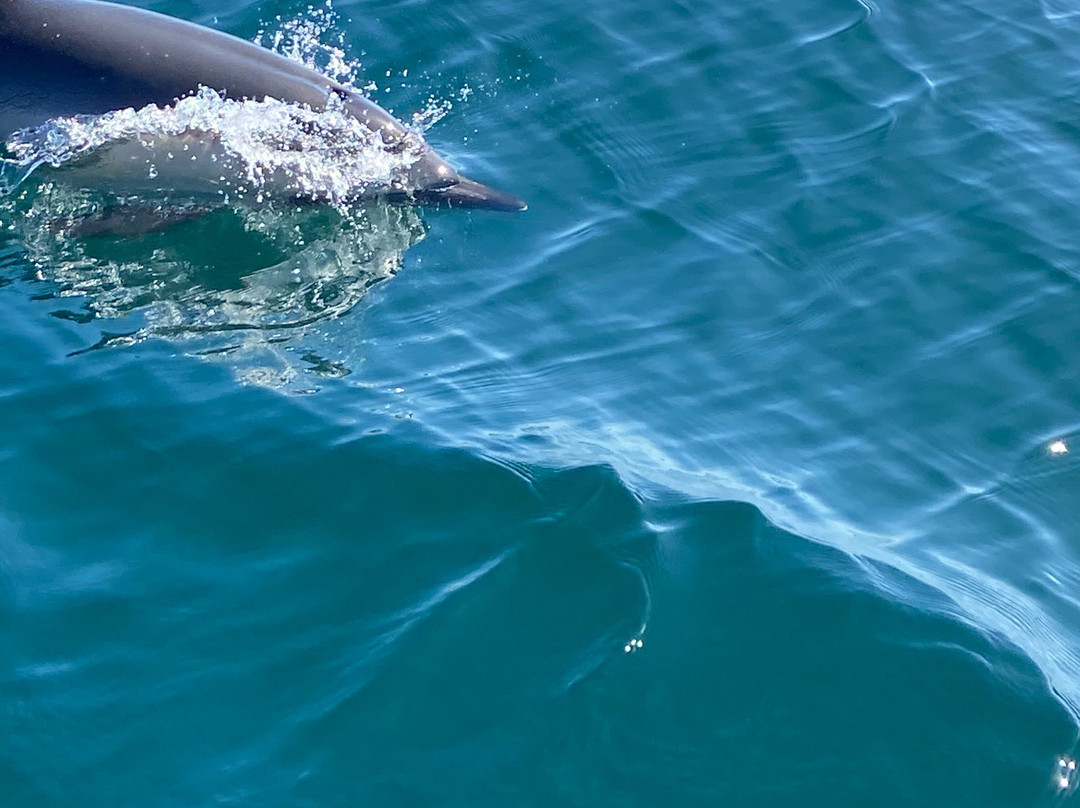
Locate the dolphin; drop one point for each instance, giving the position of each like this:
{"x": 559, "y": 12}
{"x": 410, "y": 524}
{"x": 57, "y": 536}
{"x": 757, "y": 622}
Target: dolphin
{"x": 61, "y": 58}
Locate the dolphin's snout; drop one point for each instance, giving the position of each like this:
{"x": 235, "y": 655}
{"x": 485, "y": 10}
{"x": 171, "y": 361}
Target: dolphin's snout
{"x": 434, "y": 182}
{"x": 466, "y": 193}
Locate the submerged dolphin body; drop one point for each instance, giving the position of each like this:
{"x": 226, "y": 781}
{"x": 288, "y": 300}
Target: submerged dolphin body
{"x": 86, "y": 57}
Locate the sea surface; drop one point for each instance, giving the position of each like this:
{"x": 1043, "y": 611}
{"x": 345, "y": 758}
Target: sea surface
{"x": 742, "y": 469}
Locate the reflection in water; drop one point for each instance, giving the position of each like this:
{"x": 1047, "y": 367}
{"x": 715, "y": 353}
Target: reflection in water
{"x": 237, "y": 282}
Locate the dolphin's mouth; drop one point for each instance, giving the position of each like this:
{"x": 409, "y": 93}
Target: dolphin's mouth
{"x": 464, "y": 193}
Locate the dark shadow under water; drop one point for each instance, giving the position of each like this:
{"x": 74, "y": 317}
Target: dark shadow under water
{"x": 240, "y": 282}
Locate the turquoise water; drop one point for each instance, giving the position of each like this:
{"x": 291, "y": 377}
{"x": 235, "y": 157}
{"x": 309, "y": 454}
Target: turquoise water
{"x": 777, "y": 376}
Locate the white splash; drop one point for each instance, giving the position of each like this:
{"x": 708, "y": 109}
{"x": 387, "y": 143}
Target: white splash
{"x": 209, "y": 144}
{"x": 315, "y": 40}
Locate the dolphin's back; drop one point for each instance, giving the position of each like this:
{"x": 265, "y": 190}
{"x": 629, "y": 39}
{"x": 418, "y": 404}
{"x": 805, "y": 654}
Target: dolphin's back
{"x": 112, "y": 56}
{"x": 36, "y": 86}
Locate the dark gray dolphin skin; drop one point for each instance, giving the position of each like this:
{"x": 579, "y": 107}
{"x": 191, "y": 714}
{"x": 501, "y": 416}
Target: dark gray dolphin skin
{"x": 71, "y": 57}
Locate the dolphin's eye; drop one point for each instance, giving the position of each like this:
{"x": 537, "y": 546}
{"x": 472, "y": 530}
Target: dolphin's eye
{"x": 392, "y": 143}
{"x": 398, "y": 142}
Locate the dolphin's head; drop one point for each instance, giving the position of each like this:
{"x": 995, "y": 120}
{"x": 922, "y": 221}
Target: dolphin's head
{"x": 430, "y": 180}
